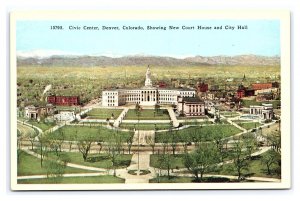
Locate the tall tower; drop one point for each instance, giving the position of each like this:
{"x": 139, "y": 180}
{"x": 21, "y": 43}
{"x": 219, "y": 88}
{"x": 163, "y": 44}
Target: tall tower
{"x": 148, "y": 82}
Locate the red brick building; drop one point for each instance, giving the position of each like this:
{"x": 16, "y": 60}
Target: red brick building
{"x": 63, "y": 100}
{"x": 244, "y": 92}
{"x": 259, "y": 86}
{"x": 202, "y": 87}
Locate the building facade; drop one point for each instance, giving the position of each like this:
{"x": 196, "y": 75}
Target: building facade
{"x": 36, "y": 112}
{"x": 264, "y": 111}
{"x": 190, "y": 106}
{"x": 147, "y": 95}
{"x": 63, "y": 100}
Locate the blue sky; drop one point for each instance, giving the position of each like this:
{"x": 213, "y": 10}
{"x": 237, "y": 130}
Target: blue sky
{"x": 261, "y": 38}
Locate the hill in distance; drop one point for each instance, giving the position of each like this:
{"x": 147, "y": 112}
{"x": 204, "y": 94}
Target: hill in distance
{"x": 138, "y": 60}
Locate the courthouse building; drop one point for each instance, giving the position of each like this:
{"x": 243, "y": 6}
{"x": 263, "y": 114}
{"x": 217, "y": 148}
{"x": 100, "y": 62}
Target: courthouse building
{"x": 147, "y": 95}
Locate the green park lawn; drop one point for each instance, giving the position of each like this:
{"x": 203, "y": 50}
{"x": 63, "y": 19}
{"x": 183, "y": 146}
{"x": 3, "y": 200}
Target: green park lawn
{"x": 249, "y": 125}
{"x": 145, "y": 126}
{"x": 83, "y": 132}
{"x": 229, "y": 114}
{"x": 99, "y": 113}
{"x": 42, "y": 125}
{"x": 247, "y": 103}
{"x": 205, "y": 133}
{"x": 255, "y": 168}
{"x": 74, "y": 180}
{"x": 148, "y": 114}
{"x": 30, "y": 165}
{"x": 195, "y": 123}
{"x": 96, "y": 160}
{"x": 176, "y": 161}
{"x": 181, "y": 179}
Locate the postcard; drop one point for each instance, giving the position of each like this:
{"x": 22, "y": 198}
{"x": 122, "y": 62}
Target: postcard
{"x": 137, "y": 100}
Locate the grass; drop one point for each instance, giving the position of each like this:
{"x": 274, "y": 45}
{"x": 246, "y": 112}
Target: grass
{"x": 99, "y": 113}
{"x": 249, "y": 125}
{"x": 229, "y": 114}
{"x": 175, "y": 179}
{"x": 93, "y": 133}
{"x": 247, "y": 103}
{"x": 42, "y": 125}
{"x": 25, "y": 130}
{"x": 30, "y": 165}
{"x": 148, "y": 114}
{"x": 176, "y": 161}
{"x": 255, "y": 168}
{"x": 206, "y": 133}
{"x": 145, "y": 126}
{"x": 195, "y": 123}
{"x": 105, "y": 179}
{"x": 97, "y": 160}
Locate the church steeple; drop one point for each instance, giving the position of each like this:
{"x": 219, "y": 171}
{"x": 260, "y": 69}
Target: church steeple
{"x": 148, "y": 81}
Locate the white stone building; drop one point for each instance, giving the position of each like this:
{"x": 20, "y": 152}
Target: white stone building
{"x": 264, "y": 111}
{"x": 36, "y": 112}
{"x": 147, "y": 95}
{"x": 190, "y": 106}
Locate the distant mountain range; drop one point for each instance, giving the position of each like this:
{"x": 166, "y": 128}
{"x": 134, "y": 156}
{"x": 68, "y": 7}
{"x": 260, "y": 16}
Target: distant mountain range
{"x": 138, "y": 60}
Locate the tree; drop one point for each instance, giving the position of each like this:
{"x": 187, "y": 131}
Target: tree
{"x": 165, "y": 143}
{"x": 240, "y": 162}
{"x": 202, "y": 160}
{"x": 56, "y": 168}
{"x": 113, "y": 151}
{"x": 19, "y": 145}
{"x": 84, "y": 146}
{"x": 165, "y": 162}
{"x": 185, "y": 139}
{"x": 129, "y": 142}
{"x": 174, "y": 142}
{"x": 32, "y": 137}
{"x": 151, "y": 141}
{"x": 250, "y": 142}
{"x": 157, "y": 108}
{"x": 274, "y": 140}
{"x": 43, "y": 146}
{"x": 270, "y": 159}
{"x": 137, "y": 108}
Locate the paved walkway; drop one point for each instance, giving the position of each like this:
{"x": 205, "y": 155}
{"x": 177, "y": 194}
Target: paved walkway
{"x": 173, "y": 117}
{"x": 140, "y": 136}
{"x": 121, "y": 117}
{"x": 143, "y": 159}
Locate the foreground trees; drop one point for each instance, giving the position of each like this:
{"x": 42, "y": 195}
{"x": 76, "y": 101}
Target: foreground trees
{"x": 84, "y": 146}
{"x": 202, "y": 160}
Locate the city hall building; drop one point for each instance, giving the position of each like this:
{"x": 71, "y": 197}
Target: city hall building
{"x": 147, "y": 95}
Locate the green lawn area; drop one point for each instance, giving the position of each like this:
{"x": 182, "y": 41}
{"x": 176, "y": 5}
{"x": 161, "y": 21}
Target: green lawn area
{"x": 173, "y": 179}
{"x": 205, "y": 133}
{"x": 148, "y": 114}
{"x": 255, "y": 169}
{"x": 97, "y": 160}
{"x": 189, "y": 118}
{"x": 230, "y": 114}
{"x": 30, "y": 165}
{"x": 249, "y": 125}
{"x": 195, "y": 123}
{"x": 247, "y": 103}
{"x": 99, "y": 113}
{"x": 42, "y": 125}
{"x": 74, "y": 180}
{"x": 145, "y": 126}
{"x": 177, "y": 161}
{"x": 94, "y": 133}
